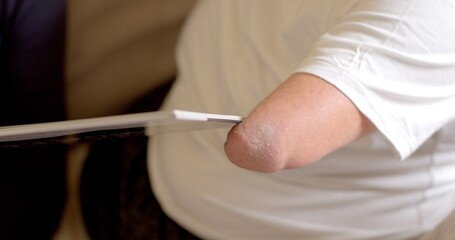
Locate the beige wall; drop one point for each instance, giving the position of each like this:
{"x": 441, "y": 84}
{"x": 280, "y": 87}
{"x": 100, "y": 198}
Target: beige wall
{"x": 117, "y": 50}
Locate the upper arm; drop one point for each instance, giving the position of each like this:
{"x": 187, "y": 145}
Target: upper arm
{"x": 391, "y": 62}
{"x": 302, "y": 120}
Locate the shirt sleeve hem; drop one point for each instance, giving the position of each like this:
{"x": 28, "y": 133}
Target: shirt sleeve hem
{"x": 385, "y": 122}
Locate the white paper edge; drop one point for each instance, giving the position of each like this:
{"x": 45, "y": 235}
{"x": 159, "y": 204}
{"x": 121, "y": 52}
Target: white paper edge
{"x": 198, "y": 116}
{"x": 69, "y": 127}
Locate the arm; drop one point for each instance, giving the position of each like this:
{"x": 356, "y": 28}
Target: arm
{"x": 300, "y": 122}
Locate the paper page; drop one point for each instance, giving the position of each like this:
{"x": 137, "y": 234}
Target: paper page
{"x": 155, "y": 122}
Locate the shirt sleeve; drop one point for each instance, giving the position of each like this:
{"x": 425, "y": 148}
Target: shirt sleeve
{"x": 395, "y": 60}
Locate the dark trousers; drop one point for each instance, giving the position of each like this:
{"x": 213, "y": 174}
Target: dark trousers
{"x": 32, "y": 180}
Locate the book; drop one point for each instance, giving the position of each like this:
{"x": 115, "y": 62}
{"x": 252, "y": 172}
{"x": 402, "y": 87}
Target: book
{"x": 157, "y": 122}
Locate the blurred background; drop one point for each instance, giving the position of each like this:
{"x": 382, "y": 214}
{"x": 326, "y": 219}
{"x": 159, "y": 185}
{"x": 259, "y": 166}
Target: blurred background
{"x": 117, "y": 51}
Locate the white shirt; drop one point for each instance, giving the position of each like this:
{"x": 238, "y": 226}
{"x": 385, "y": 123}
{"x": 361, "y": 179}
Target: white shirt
{"x": 394, "y": 59}
{"x": 444, "y": 231}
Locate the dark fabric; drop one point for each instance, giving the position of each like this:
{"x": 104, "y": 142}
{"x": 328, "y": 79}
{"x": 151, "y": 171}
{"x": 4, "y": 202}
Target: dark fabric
{"x": 117, "y": 201}
{"x": 31, "y": 61}
{"x": 32, "y": 181}
{"x": 32, "y": 192}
